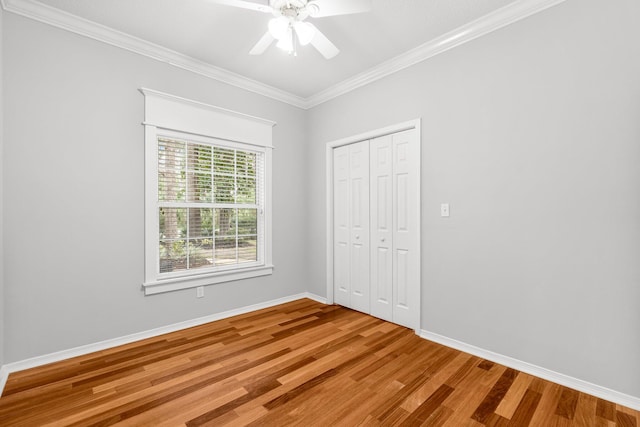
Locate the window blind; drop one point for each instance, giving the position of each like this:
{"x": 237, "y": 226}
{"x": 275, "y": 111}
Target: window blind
{"x": 210, "y": 206}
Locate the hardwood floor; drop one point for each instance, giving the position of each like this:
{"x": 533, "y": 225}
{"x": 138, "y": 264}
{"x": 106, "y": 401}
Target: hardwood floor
{"x": 301, "y": 363}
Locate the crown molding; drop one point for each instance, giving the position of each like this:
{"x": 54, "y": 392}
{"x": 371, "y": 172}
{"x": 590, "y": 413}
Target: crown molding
{"x": 491, "y": 22}
{"x": 484, "y": 25}
{"x": 66, "y": 21}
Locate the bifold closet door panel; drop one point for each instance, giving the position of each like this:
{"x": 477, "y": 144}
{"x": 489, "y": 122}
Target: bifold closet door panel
{"x": 406, "y": 232}
{"x": 351, "y": 226}
{"x": 359, "y": 224}
{"x": 381, "y": 172}
{"x": 341, "y": 230}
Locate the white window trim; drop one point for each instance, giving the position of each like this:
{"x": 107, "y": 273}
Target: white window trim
{"x": 167, "y": 113}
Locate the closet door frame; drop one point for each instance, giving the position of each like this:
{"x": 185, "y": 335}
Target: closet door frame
{"x": 400, "y": 127}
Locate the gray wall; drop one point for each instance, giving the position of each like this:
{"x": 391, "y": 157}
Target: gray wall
{"x": 73, "y": 195}
{"x": 2, "y": 307}
{"x": 532, "y": 134}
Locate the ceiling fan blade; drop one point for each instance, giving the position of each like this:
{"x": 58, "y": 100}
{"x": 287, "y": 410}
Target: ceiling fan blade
{"x": 323, "y": 44}
{"x": 244, "y": 5}
{"x": 322, "y": 8}
{"x": 262, "y": 44}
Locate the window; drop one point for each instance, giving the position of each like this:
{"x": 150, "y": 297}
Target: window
{"x": 207, "y": 188}
{"x": 209, "y": 206}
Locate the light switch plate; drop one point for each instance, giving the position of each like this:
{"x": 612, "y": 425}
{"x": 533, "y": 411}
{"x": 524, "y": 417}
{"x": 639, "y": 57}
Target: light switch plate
{"x": 444, "y": 209}
{"x": 199, "y": 291}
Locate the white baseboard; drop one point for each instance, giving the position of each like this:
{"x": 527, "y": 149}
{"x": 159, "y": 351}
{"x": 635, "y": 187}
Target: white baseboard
{"x": 4, "y": 374}
{"x": 33, "y": 362}
{"x": 316, "y": 298}
{"x": 558, "y": 378}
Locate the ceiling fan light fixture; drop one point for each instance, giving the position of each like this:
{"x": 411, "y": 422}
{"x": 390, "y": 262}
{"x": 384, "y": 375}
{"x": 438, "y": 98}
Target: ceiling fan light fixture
{"x": 279, "y": 27}
{"x": 286, "y": 42}
{"x": 289, "y": 27}
{"x": 305, "y": 32}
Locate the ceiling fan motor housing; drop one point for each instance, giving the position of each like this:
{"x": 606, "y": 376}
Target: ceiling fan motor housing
{"x": 294, "y": 10}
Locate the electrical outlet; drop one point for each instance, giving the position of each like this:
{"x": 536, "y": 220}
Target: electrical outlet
{"x": 199, "y": 291}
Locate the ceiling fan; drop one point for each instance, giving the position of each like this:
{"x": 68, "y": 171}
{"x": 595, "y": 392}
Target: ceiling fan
{"x": 289, "y": 26}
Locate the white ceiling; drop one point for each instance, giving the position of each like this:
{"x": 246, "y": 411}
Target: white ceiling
{"x": 213, "y": 40}
{"x": 222, "y": 36}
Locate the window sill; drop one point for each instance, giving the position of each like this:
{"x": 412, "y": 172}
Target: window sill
{"x": 178, "y": 283}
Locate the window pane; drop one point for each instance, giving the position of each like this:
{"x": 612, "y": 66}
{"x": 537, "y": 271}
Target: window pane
{"x": 173, "y": 223}
{"x": 199, "y": 187}
{"x": 247, "y": 249}
{"x": 247, "y": 221}
{"x": 171, "y": 170}
{"x": 225, "y": 222}
{"x": 200, "y": 253}
{"x": 246, "y": 190}
{"x": 223, "y": 161}
{"x": 200, "y": 222}
{"x": 246, "y": 164}
{"x": 173, "y": 255}
{"x": 224, "y": 189}
{"x": 225, "y": 251}
{"x": 199, "y": 157}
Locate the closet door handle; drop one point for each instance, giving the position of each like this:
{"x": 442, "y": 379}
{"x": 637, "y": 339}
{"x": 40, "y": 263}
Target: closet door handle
{"x": 383, "y": 239}
{"x": 357, "y": 236}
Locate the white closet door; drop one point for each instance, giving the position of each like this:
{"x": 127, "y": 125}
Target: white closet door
{"x": 381, "y": 164}
{"x": 406, "y": 232}
{"x": 376, "y": 227}
{"x": 359, "y": 215}
{"x": 341, "y": 231}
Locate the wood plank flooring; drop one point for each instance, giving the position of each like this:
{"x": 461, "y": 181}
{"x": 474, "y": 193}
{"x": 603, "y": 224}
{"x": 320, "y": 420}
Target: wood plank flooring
{"x": 301, "y": 363}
